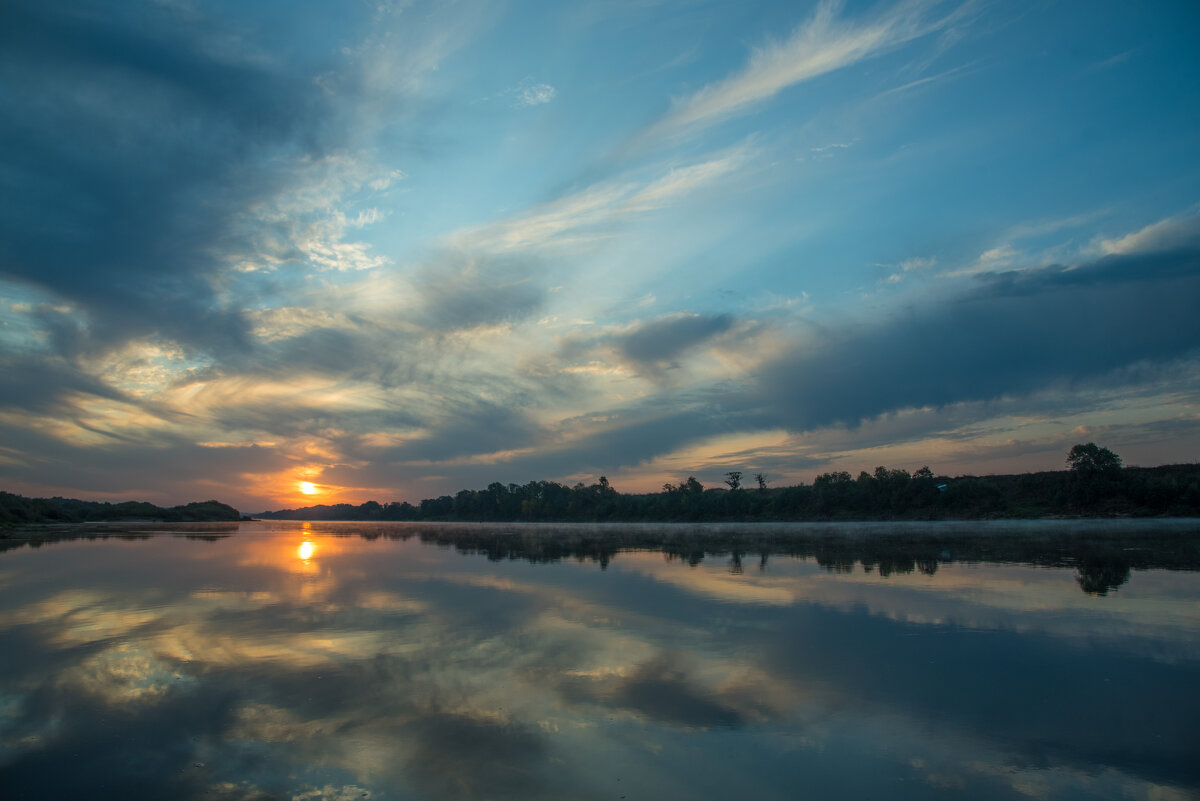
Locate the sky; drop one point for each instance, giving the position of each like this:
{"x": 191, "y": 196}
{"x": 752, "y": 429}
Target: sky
{"x": 393, "y": 250}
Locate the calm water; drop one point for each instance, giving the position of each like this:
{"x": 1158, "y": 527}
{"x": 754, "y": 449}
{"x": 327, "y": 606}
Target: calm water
{"x": 343, "y": 661}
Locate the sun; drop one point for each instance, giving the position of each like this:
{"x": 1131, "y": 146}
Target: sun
{"x": 308, "y": 488}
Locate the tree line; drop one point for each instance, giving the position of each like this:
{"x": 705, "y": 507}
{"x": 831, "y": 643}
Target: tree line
{"x": 17, "y": 510}
{"x": 1096, "y": 484}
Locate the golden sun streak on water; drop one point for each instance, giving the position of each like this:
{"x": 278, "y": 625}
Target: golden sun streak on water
{"x": 306, "y": 550}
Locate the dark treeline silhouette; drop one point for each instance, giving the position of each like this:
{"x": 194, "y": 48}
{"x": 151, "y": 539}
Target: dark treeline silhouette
{"x": 1095, "y": 486}
{"x": 17, "y": 509}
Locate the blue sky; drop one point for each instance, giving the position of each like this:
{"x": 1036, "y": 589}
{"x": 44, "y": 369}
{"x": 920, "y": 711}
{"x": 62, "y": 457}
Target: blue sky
{"x": 394, "y": 250}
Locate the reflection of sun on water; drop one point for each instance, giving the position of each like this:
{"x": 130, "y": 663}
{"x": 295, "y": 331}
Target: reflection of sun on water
{"x": 306, "y": 551}
{"x": 308, "y": 488}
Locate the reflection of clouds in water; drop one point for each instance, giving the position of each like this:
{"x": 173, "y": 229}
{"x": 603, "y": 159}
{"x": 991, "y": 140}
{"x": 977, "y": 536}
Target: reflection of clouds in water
{"x": 459, "y": 756}
{"x": 472, "y": 679}
{"x": 330, "y": 793}
{"x": 994, "y": 597}
{"x": 668, "y": 689}
{"x": 83, "y": 616}
{"x": 125, "y": 674}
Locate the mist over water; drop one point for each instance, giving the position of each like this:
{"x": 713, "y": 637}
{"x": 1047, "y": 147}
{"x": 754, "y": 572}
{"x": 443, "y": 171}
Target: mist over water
{"x": 399, "y": 661}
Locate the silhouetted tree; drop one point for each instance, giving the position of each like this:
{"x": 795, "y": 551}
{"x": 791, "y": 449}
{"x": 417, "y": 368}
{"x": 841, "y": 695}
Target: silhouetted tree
{"x": 762, "y": 481}
{"x": 735, "y": 479}
{"x": 1099, "y": 482}
{"x": 1091, "y": 460}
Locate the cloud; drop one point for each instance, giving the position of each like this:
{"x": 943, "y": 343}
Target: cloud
{"x": 177, "y": 166}
{"x": 148, "y": 467}
{"x": 1169, "y": 234}
{"x": 466, "y": 426}
{"x": 821, "y": 45}
{"x": 112, "y": 207}
{"x": 527, "y": 93}
{"x": 1015, "y": 333}
{"x": 655, "y": 344}
{"x": 1112, "y": 61}
{"x": 959, "y": 70}
{"x": 664, "y": 339}
{"x": 463, "y": 290}
{"x": 43, "y": 383}
{"x": 914, "y": 264}
{"x": 635, "y": 433}
{"x": 588, "y": 215}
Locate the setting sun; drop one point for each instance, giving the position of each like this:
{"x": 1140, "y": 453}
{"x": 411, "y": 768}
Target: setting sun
{"x": 308, "y": 488}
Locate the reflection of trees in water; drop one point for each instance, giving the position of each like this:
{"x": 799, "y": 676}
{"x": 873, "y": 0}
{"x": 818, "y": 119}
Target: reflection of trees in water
{"x": 40, "y": 535}
{"x": 1102, "y": 557}
{"x": 1098, "y": 577}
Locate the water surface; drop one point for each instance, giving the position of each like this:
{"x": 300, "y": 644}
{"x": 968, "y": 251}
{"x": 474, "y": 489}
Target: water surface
{"x": 392, "y": 661}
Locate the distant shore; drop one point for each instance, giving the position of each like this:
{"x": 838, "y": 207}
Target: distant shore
{"x": 884, "y": 495}
{"x": 19, "y": 510}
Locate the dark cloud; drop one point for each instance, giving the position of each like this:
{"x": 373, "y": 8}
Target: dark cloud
{"x": 466, "y": 426}
{"x": 44, "y": 383}
{"x": 359, "y": 350}
{"x": 655, "y": 345}
{"x": 133, "y": 141}
{"x": 665, "y": 339}
{"x": 1016, "y": 333}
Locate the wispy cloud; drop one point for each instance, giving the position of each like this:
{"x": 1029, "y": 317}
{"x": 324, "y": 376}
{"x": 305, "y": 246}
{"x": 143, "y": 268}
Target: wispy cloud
{"x": 1169, "y": 234}
{"x": 1017, "y": 247}
{"x": 528, "y": 93}
{"x": 821, "y": 45}
{"x": 584, "y": 216}
{"x": 961, "y": 69}
{"x": 916, "y": 263}
{"x": 1112, "y": 61}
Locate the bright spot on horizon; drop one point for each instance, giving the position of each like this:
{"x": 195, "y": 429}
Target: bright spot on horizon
{"x": 306, "y": 551}
{"x": 308, "y": 488}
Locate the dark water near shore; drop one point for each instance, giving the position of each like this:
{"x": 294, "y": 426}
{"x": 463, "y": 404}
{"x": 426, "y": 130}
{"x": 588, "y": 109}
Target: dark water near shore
{"x": 391, "y": 661}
